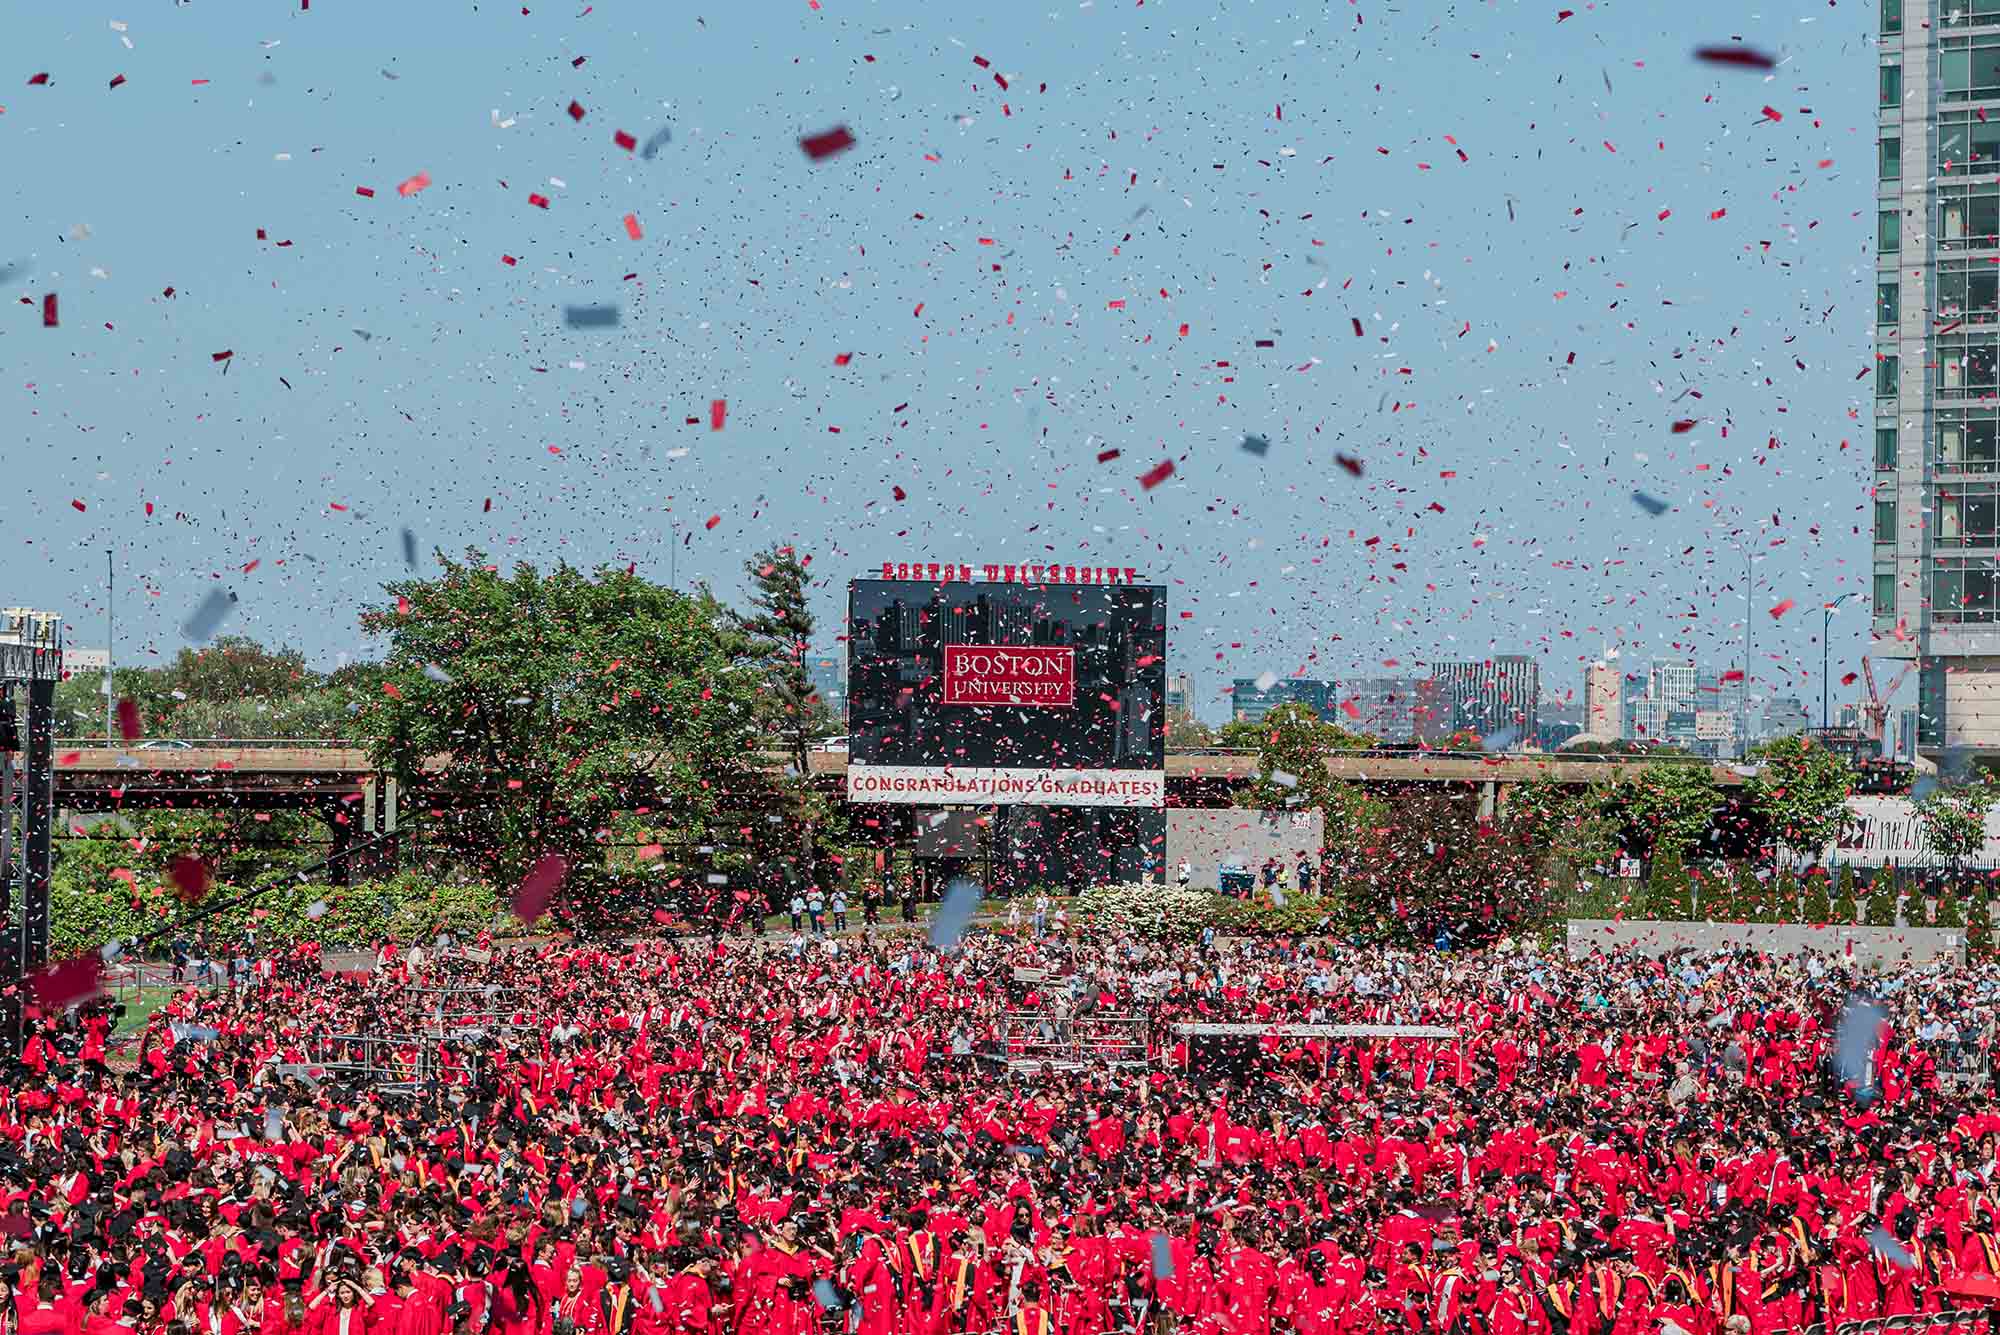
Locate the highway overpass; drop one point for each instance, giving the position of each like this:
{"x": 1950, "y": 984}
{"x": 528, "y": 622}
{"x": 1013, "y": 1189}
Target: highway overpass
{"x": 91, "y": 776}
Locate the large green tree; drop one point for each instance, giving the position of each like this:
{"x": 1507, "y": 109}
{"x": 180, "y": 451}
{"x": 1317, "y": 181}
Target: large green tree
{"x": 1293, "y": 744}
{"x": 1951, "y": 818}
{"x": 563, "y": 700}
{"x": 1800, "y": 792}
{"x": 778, "y": 632}
{"x": 1667, "y": 805}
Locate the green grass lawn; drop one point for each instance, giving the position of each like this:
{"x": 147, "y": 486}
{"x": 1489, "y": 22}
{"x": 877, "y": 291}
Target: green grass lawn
{"x": 140, "y": 1004}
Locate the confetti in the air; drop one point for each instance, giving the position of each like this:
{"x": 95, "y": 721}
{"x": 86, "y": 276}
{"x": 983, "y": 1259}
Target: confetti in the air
{"x": 209, "y": 616}
{"x": 819, "y": 147}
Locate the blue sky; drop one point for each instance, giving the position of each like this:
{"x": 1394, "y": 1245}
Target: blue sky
{"x": 1009, "y": 268}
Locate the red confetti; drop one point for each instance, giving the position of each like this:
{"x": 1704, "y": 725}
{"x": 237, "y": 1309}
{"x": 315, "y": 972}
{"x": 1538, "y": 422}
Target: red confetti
{"x": 76, "y": 506}
{"x": 718, "y": 412}
{"x": 1719, "y": 213}
{"x": 508, "y": 260}
{"x": 531, "y": 900}
{"x": 1106, "y": 456}
{"x": 1773, "y": 114}
{"x": 117, "y": 79}
{"x": 899, "y": 493}
{"x": 1157, "y": 474}
{"x": 1666, "y": 214}
{"x": 49, "y": 311}
{"x": 1781, "y": 608}
{"x": 40, "y": 80}
{"x": 1562, "y": 14}
{"x": 1735, "y": 55}
{"x": 365, "y": 191}
{"x": 1357, "y": 325}
{"x": 1351, "y": 465}
{"x": 576, "y": 111}
{"x": 624, "y": 141}
{"x": 1685, "y": 425}
{"x": 1848, "y": 679}
{"x": 819, "y": 147}
{"x": 713, "y": 520}
{"x": 539, "y": 201}
{"x": 1732, "y": 675}
{"x": 632, "y": 227}
{"x": 190, "y": 878}
{"x": 222, "y": 356}
{"x": 421, "y": 181}
{"x": 842, "y": 358}
{"x": 128, "y": 720}
{"x": 65, "y": 984}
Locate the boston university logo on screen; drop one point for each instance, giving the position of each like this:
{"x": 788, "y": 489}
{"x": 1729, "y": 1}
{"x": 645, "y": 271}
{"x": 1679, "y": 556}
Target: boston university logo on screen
{"x": 1042, "y": 677}
{"x": 999, "y": 685}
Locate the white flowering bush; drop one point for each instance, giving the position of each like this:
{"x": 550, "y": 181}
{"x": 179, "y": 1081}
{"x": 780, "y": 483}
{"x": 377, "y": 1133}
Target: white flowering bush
{"x": 1153, "y": 911}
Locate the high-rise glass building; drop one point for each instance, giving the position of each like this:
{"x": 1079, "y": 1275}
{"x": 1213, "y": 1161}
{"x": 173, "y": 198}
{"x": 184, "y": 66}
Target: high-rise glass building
{"x": 1936, "y": 515}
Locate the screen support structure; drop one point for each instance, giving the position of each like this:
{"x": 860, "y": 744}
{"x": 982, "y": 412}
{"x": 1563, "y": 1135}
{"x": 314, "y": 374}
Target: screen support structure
{"x": 30, "y": 667}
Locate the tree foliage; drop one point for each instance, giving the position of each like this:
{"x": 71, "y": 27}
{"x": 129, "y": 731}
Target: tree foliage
{"x": 1564, "y": 821}
{"x": 778, "y": 633}
{"x": 1293, "y": 744}
{"x": 562, "y": 700}
{"x": 1667, "y": 806}
{"x": 1952, "y": 818}
{"x": 1800, "y": 792}
{"x": 1430, "y": 863}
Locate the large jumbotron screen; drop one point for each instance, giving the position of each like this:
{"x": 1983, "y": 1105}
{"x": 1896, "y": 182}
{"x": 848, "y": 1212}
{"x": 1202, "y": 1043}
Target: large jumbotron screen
{"x": 1007, "y": 691}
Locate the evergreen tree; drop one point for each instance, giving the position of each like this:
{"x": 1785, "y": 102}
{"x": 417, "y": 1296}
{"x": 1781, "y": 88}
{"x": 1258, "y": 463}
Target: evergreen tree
{"x": 1948, "y": 912}
{"x": 1882, "y": 900}
{"x": 778, "y": 634}
{"x": 1817, "y": 909}
{"x": 1667, "y": 888}
{"x": 1978, "y": 923}
{"x": 1844, "y": 906}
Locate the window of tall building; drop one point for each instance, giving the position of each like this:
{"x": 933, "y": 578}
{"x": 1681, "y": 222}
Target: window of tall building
{"x": 1965, "y": 291}
{"x": 1968, "y": 440}
{"x": 1968, "y": 515}
{"x": 1885, "y": 520}
{"x": 1885, "y": 447}
{"x": 1969, "y": 66}
{"x": 1892, "y": 17}
{"x": 1966, "y": 144}
{"x": 1888, "y": 234}
{"x": 1885, "y": 593}
{"x": 1887, "y": 368}
{"x": 1892, "y": 85}
{"x": 1968, "y": 216}
{"x": 1965, "y": 365}
{"x": 1961, "y": 590}
{"x": 1886, "y": 304}
{"x": 1892, "y": 158}
{"x": 1963, "y": 13}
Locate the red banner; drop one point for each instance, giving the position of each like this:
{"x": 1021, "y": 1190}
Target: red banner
{"x": 1040, "y": 676}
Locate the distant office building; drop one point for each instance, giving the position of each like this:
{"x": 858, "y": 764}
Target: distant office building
{"x": 1395, "y": 709}
{"x": 1603, "y": 701}
{"x": 829, "y": 682}
{"x": 1906, "y": 734}
{"x": 1180, "y": 698}
{"x": 1784, "y": 715}
{"x": 1646, "y": 720}
{"x": 1673, "y": 680}
{"x": 1249, "y": 702}
{"x": 1499, "y": 698}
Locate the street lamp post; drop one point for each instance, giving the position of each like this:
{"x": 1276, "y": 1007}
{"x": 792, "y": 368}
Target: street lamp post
{"x": 1825, "y": 653}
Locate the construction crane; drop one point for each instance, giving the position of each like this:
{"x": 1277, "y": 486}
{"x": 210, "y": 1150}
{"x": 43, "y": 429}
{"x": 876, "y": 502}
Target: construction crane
{"x": 1876, "y": 706}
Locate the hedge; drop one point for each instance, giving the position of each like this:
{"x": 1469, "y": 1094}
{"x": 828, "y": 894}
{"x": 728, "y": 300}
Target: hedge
{"x": 84, "y": 914}
{"x": 1160, "y": 912}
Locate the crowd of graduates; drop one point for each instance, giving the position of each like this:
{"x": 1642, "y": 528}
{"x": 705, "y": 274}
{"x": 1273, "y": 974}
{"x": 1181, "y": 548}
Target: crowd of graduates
{"x": 882, "y": 1138}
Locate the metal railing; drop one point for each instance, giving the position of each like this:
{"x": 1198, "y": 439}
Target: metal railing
{"x": 1032, "y": 1039}
{"x": 211, "y": 744}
